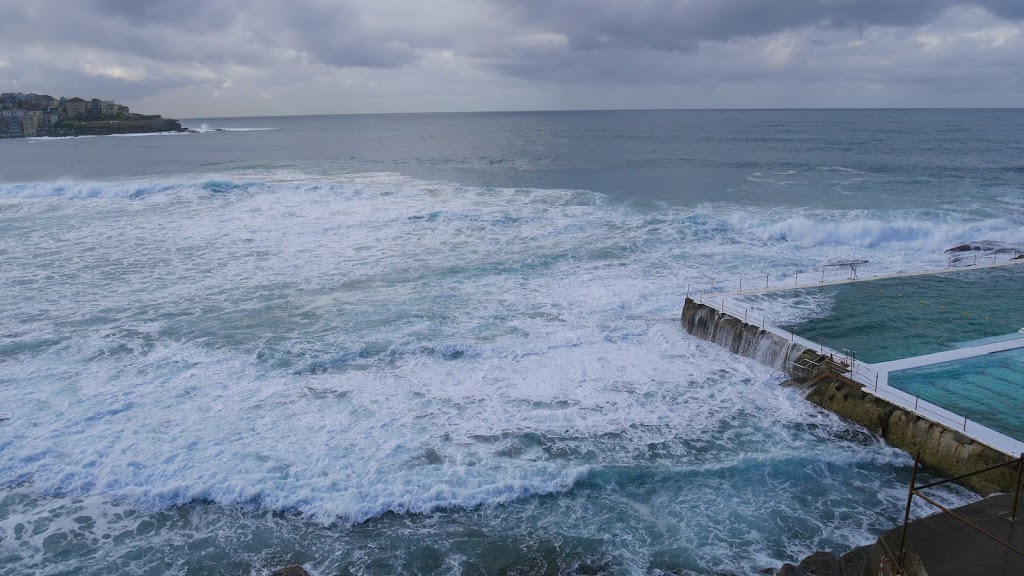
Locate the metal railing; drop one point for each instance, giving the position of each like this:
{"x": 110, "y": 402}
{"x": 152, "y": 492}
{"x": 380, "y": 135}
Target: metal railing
{"x": 828, "y": 274}
{"x": 912, "y": 402}
{"x": 915, "y": 490}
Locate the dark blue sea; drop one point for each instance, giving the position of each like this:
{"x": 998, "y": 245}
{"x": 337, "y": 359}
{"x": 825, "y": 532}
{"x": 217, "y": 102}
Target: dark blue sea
{"x": 450, "y": 343}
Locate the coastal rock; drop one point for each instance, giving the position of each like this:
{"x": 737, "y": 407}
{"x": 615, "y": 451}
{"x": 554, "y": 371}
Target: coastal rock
{"x": 293, "y": 570}
{"x": 852, "y": 563}
{"x": 963, "y": 248}
{"x": 983, "y": 245}
{"x": 817, "y": 564}
{"x": 821, "y": 564}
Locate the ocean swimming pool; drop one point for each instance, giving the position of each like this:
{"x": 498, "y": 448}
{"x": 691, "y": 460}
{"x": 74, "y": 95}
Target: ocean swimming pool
{"x": 987, "y": 389}
{"x": 896, "y": 318}
{"x": 952, "y": 339}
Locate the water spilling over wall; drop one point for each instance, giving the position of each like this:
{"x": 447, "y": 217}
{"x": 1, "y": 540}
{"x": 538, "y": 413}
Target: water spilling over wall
{"x": 743, "y": 338}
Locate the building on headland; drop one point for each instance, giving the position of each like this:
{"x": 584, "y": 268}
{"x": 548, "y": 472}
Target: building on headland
{"x": 28, "y": 101}
{"x": 30, "y": 124}
{"x": 44, "y": 115}
{"x": 76, "y": 107}
{"x": 24, "y": 122}
{"x": 14, "y": 121}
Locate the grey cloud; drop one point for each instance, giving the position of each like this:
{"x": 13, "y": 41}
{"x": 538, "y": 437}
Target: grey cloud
{"x": 193, "y": 13}
{"x": 210, "y": 32}
{"x": 338, "y": 36}
{"x": 679, "y": 25}
{"x": 275, "y": 52}
{"x": 1011, "y": 9}
{"x": 651, "y": 40}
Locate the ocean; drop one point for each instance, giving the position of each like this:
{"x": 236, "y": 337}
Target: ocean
{"x": 450, "y": 343}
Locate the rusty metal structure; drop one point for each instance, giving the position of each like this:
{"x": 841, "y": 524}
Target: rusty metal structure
{"x": 915, "y": 490}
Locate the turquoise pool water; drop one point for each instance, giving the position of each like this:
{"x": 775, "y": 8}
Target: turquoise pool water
{"x": 987, "y": 389}
{"x": 895, "y": 318}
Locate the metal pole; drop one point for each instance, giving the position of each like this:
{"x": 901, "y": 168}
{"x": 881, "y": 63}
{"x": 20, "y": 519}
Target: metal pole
{"x": 916, "y": 398}
{"x": 906, "y": 512}
{"x": 796, "y": 277}
{"x": 965, "y": 423}
{"x": 744, "y": 315}
{"x": 1016, "y": 496}
{"x": 822, "y": 274}
{"x": 741, "y": 283}
{"x": 687, "y": 290}
{"x": 876, "y": 382}
{"x": 766, "y": 281}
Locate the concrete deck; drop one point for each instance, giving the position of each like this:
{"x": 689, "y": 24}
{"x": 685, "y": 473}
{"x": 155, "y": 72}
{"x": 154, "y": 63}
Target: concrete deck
{"x": 947, "y": 547}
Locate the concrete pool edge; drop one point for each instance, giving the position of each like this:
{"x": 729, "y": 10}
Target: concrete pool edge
{"x": 885, "y": 368}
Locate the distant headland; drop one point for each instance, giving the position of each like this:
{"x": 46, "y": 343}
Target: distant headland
{"x": 24, "y": 115}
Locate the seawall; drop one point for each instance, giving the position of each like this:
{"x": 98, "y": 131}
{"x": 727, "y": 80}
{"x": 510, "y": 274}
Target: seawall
{"x": 739, "y": 337}
{"x": 944, "y": 450}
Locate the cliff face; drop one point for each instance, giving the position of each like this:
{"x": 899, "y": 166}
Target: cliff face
{"x": 140, "y": 125}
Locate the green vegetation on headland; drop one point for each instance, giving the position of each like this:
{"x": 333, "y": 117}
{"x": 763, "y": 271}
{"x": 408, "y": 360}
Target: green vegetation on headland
{"x": 134, "y": 125}
{"x": 24, "y": 115}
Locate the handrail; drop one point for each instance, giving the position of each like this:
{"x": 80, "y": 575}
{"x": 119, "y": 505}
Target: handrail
{"x": 821, "y": 277}
{"x": 915, "y": 490}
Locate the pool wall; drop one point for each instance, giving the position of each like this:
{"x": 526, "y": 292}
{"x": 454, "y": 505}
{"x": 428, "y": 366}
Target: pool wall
{"x": 739, "y": 336}
{"x": 946, "y": 451}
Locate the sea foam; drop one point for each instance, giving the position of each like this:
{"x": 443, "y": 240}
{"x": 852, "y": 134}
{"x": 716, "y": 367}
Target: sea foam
{"x": 343, "y": 348}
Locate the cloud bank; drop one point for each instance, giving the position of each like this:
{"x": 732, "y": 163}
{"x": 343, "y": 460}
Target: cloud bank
{"x": 192, "y": 58}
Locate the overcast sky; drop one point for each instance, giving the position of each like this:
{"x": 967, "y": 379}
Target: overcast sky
{"x": 206, "y": 58}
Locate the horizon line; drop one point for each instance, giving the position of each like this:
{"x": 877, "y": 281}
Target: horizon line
{"x": 562, "y": 110}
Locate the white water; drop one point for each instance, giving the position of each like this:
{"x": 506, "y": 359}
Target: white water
{"x": 342, "y": 348}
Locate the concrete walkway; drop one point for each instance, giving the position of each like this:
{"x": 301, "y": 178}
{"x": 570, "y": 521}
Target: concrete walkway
{"x": 884, "y": 368}
{"x": 947, "y": 547}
